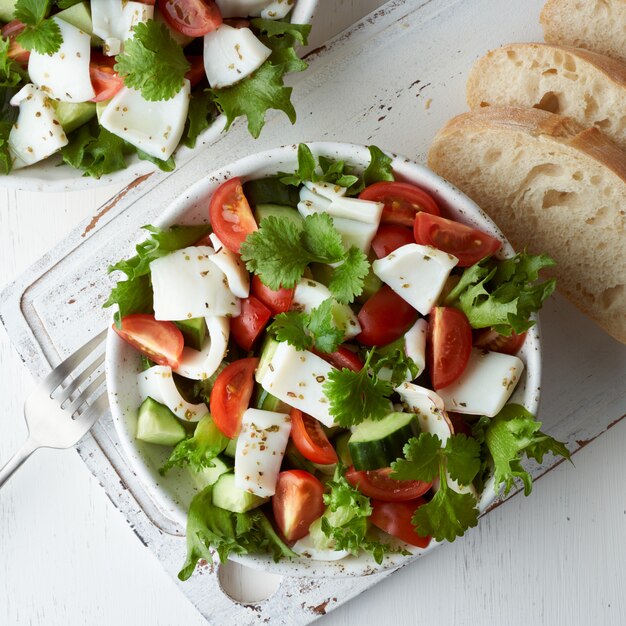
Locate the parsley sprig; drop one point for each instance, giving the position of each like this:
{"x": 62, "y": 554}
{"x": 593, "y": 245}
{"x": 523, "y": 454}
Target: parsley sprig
{"x": 449, "y": 514}
{"x": 152, "y": 62}
{"x": 307, "y": 330}
{"x": 280, "y": 251}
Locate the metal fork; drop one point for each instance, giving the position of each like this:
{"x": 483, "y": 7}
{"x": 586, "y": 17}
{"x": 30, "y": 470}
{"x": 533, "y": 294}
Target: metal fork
{"x": 65, "y": 405}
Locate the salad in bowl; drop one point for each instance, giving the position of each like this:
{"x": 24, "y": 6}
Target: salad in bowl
{"x": 325, "y": 360}
{"x": 103, "y": 85}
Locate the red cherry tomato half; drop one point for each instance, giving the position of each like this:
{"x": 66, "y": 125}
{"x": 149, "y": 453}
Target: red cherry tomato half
{"x": 384, "y": 318}
{"x": 196, "y": 72}
{"x": 276, "y": 301}
{"x": 448, "y": 345}
{"x": 297, "y": 503}
{"x": 249, "y": 324}
{"x": 105, "y": 80}
{"x": 231, "y": 217}
{"x": 10, "y": 31}
{"x": 231, "y": 393}
{"x": 193, "y": 18}
{"x": 402, "y": 201}
{"x": 310, "y": 439}
{"x": 342, "y": 358}
{"x": 390, "y": 237}
{"x": 489, "y": 339}
{"x": 379, "y": 484}
{"x": 395, "y": 519}
{"x": 160, "y": 341}
{"x": 467, "y": 244}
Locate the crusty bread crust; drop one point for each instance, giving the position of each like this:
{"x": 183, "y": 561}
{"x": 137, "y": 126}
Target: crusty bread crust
{"x": 577, "y": 83}
{"x": 553, "y": 186}
{"x": 592, "y": 24}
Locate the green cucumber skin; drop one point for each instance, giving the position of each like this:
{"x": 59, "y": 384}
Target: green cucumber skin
{"x": 382, "y": 452}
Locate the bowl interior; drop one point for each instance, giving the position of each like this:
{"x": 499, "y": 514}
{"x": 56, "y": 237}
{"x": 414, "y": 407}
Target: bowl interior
{"x": 173, "y": 493}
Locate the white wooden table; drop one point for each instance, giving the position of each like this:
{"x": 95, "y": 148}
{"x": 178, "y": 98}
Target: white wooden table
{"x": 67, "y": 557}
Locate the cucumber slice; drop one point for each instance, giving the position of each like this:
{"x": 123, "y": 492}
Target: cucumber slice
{"x": 296, "y": 460}
{"x": 276, "y": 210}
{"x": 268, "y": 402}
{"x": 341, "y": 447}
{"x": 71, "y": 115}
{"x": 231, "y": 448}
{"x": 267, "y": 352}
{"x": 157, "y": 424}
{"x": 228, "y": 496}
{"x": 378, "y": 444}
{"x": 209, "y": 475}
{"x": 271, "y": 191}
{"x": 194, "y": 332}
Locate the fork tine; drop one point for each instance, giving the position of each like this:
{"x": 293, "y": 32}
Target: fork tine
{"x": 62, "y": 370}
{"x": 86, "y": 394}
{"x": 79, "y": 380}
{"x": 90, "y": 416}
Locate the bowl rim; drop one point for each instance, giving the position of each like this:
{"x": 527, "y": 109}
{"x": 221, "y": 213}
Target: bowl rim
{"x": 254, "y": 166}
{"x": 52, "y": 175}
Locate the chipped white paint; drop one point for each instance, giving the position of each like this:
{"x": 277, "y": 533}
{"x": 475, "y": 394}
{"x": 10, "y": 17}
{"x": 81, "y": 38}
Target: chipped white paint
{"x": 68, "y": 558}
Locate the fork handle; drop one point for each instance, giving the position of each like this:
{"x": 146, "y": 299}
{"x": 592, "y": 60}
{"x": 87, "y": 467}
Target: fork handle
{"x": 18, "y": 458}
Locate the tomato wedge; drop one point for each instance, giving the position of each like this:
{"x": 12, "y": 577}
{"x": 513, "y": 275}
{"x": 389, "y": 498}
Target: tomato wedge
{"x": 276, "y": 301}
{"x": 249, "y": 324}
{"x": 196, "y": 72}
{"x": 105, "y": 80}
{"x": 489, "y": 339}
{"x": 379, "y": 484}
{"x": 162, "y": 342}
{"x": 297, "y": 503}
{"x": 469, "y": 245}
{"x": 231, "y": 393}
{"x": 448, "y": 345}
{"x": 193, "y": 18}
{"x": 231, "y": 217}
{"x": 402, "y": 201}
{"x": 390, "y": 237}
{"x": 395, "y": 519}
{"x": 342, "y": 358}
{"x": 310, "y": 439}
{"x": 384, "y": 318}
{"x": 10, "y": 31}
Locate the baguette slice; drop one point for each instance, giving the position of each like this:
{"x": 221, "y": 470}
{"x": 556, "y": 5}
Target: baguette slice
{"x": 589, "y": 87}
{"x": 553, "y": 187}
{"x": 598, "y": 25}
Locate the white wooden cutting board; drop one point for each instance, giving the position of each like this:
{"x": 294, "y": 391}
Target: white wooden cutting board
{"x": 392, "y": 81}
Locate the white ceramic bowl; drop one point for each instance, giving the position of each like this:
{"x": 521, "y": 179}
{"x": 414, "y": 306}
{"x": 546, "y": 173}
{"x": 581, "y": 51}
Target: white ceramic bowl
{"x": 52, "y": 175}
{"x": 173, "y": 493}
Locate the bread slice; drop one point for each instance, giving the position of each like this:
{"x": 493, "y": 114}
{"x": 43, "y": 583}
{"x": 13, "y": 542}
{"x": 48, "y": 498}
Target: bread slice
{"x": 587, "y": 86}
{"x": 598, "y": 25}
{"x": 552, "y": 186}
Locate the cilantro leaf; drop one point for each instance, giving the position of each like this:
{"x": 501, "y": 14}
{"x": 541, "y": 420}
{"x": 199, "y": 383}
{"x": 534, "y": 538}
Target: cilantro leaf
{"x": 10, "y": 71}
{"x": 462, "y": 458}
{"x": 306, "y": 168}
{"x": 502, "y": 295}
{"x": 252, "y": 97}
{"x": 198, "y": 451}
{"x": 345, "y": 522}
{"x": 199, "y": 118}
{"x": 447, "y": 516}
{"x": 394, "y": 360}
{"x": 320, "y": 239}
{"x": 152, "y": 62}
{"x": 42, "y": 35}
{"x": 379, "y": 168}
{"x": 282, "y": 37}
{"x": 210, "y": 527}
{"x": 66, "y": 4}
{"x": 305, "y": 330}
{"x": 421, "y": 459}
{"x": 348, "y": 278}
{"x": 95, "y": 150}
{"x": 357, "y": 396}
{"x": 510, "y": 435}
